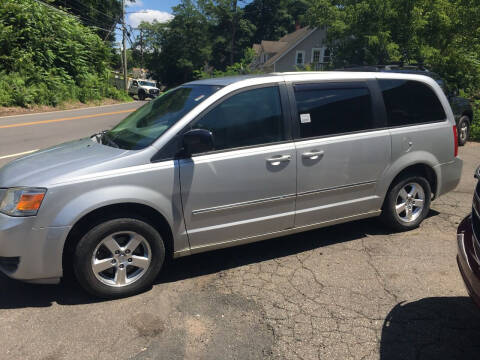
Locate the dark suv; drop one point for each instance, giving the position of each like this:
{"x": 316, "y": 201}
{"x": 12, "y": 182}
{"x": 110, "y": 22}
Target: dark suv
{"x": 468, "y": 237}
{"x": 461, "y": 107}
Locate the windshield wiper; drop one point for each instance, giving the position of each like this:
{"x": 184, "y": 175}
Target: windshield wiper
{"x": 103, "y": 138}
{"x": 107, "y": 139}
{"x": 97, "y": 137}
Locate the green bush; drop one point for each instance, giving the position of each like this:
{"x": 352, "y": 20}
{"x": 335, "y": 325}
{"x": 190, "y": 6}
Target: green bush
{"x": 475, "y": 130}
{"x": 48, "y": 57}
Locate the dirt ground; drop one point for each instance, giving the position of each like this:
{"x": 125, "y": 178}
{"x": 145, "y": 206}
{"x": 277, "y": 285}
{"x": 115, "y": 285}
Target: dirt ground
{"x": 353, "y": 291}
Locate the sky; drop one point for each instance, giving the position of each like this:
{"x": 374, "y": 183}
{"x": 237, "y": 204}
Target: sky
{"x": 149, "y": 10}
{"x": 145, "y": 10}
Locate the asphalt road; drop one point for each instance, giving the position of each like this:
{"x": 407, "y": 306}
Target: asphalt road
{"x": 353, "y": 291}
{"x": 25, "y": 133}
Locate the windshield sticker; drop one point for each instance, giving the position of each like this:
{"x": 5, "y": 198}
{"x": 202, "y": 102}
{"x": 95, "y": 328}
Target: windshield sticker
{"x": 305, "y": 118}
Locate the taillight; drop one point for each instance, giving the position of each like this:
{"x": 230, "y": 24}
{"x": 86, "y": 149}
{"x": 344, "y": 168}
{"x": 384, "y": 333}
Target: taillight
{"x": 455, "y": 140}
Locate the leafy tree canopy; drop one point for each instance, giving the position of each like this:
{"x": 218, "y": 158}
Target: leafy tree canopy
{"x": 444, "y": 35}
{"x": 102, "y": 15}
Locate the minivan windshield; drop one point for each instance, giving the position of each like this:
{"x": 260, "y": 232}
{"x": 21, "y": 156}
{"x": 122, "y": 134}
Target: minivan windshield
{"x": 141, "y": 128}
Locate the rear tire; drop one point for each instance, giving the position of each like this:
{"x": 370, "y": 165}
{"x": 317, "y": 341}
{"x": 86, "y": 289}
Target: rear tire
{"x": 407, "y": 203}
{"x": 463, "y": 130}
{"x": 118, "y": 258}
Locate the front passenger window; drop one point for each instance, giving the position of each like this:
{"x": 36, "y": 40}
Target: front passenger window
{"x": 253, "y": 117}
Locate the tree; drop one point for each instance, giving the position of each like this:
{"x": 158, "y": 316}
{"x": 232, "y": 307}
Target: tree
{"x": 103, "y": 15}
{"x": 176, "y": 49}
{"x": 274, "y": 18}
{"x": 48, "y": 56}
{"x": 441, "y": 34}
{"x": 230, "y": 32}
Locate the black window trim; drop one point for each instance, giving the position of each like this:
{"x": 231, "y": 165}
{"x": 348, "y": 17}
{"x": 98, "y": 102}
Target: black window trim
{"x": 287, "y": 127}
{"x": 384, "y": 106}
{"x": 379, "y": 116}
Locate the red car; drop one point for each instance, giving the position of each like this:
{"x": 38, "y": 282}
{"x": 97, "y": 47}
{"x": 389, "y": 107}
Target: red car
{"x": 468, "y": 236}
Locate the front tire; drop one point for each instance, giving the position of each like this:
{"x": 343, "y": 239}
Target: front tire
{"x": 141, "y": 95}
{"x": 463, "y": 130}
{"x": 119, "y": 258}
{"x": 407, "y": 203}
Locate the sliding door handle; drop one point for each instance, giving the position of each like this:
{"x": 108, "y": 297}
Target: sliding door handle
{"x": 313, "y": 155}
{"x": 277, "y": 160}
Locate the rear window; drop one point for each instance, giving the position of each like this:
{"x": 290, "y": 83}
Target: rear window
{"x": 410, "y": 102}
{"x": 324, "y": 111}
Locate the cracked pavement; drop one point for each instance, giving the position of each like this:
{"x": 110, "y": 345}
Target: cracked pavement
{"x": 352, "y": 291}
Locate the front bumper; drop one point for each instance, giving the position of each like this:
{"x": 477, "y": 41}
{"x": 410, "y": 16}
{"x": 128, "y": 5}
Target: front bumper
{"x": 153, "y": 93}
{"x": 467, "y": 259}
{"x": 31, "y": 253}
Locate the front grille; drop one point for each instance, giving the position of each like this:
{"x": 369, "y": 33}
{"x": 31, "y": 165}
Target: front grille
{"x": 9, "y": 264}
{"x": 476, "y": 218}
{"x": 153, "y": 91}
{"x": 476, "y": 224}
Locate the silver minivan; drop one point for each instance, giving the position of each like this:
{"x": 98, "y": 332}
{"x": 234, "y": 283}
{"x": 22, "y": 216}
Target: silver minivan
{"x": 222, "y": 162}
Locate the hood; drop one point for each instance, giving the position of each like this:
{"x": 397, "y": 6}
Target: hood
{"x": 149, "y": 87}
{"x": 51, "y": 165}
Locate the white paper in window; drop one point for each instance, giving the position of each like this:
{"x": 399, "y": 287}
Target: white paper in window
{"x": 305, "y": 118}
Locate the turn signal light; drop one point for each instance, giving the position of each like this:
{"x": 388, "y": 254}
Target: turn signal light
{"x": 21, "y": 201}
{"x": 30, "y": 202}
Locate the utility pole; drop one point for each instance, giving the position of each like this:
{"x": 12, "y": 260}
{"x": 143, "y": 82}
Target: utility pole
{"x": 141, "y": 46}
{"x": 124, "y": 55}
{"x": 234, "y": 31}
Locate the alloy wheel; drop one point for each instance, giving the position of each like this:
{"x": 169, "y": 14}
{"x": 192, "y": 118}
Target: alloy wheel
{"x": 121, "y": 258}
{"x": 410, "y": 202}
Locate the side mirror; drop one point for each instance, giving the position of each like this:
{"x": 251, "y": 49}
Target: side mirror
{"x": 197, "y": 141}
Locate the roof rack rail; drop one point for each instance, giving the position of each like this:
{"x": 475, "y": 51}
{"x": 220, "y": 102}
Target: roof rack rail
{"x": 384, "y": 67}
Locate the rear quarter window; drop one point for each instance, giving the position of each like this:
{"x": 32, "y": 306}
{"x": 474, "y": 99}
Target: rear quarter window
{"x": 410, "y": 102}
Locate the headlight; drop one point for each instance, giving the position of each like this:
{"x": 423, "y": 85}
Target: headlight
{"x": 21, "y": 201}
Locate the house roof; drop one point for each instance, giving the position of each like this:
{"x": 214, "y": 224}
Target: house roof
{"x": 295, "y": 35}
{"x": 273, "y": 47}
{"x": 290, "y": 41}
{"x": 284, "y": 45}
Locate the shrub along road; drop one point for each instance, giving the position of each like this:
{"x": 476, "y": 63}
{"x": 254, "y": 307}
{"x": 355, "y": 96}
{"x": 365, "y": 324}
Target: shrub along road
{"x": 352, "y": 291}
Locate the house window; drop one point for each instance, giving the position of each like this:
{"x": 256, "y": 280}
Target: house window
{"x": 316, "y": 53}
{"x": 300, "y": 58}
{"x": 327, "y": 55}
{"x": 264, "y": 58}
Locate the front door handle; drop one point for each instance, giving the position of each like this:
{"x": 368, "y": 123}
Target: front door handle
{"x": 277, "y": 160}
{"x": 313, "y": 155}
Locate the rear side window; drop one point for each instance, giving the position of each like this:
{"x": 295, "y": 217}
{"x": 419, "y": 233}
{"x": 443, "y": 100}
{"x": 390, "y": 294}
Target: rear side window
{"x": 410, "y": 102}
{"x": 324, "y": 111}
{"x": 252, "y": 117}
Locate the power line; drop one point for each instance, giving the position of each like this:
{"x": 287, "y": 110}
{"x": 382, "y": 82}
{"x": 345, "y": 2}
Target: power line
{"x": 92, "y": 8}
{"x": 69, "y": 14}
{"x": 111, "y": 29}
{"x": 87, "y": 17}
